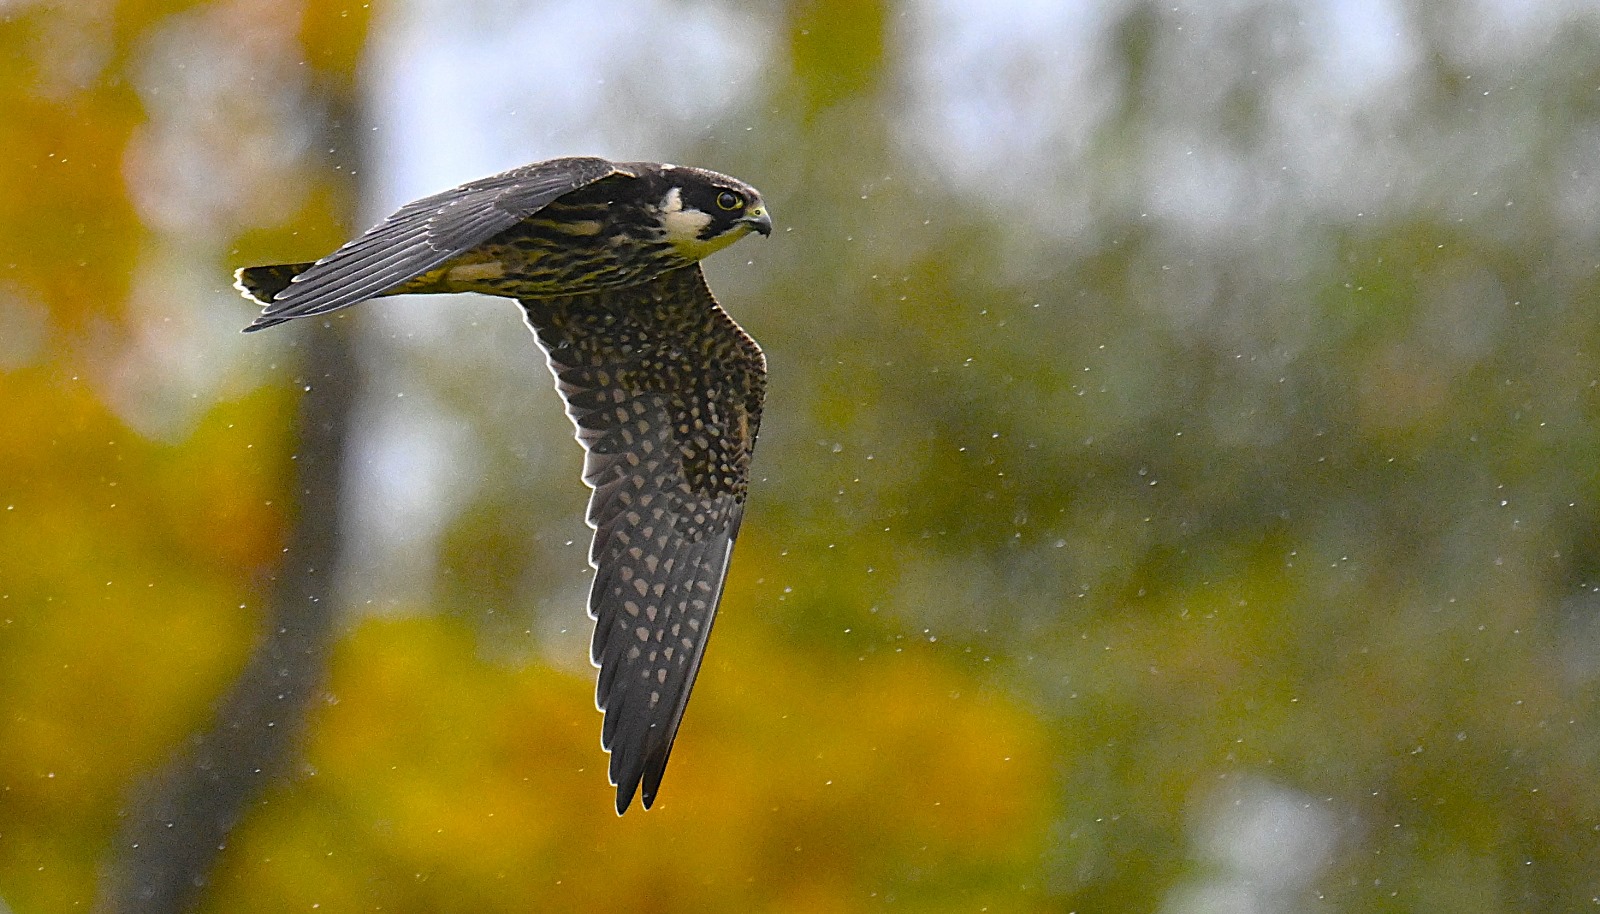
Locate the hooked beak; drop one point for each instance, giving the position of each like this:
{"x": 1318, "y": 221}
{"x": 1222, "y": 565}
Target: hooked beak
{"x": 759, "y": 220}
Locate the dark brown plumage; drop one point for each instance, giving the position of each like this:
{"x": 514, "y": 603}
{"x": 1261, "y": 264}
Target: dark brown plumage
{"x": 665, "y": 390}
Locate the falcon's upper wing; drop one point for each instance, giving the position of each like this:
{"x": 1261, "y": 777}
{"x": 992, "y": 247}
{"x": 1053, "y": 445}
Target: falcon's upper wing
{"x": 426, "y": 233}
{"x": 665, "y": 390}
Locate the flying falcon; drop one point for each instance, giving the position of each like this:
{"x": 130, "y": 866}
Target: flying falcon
{"x": 664, "y": 388}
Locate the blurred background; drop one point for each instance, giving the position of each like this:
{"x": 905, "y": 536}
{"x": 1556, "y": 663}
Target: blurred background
{"x": 1179, "y": 489}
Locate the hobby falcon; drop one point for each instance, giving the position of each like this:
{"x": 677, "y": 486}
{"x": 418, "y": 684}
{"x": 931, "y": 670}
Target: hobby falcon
{"x": 663, "y": 387}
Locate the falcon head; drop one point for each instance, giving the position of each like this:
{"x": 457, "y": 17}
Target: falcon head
{"x": 702, "y": 212}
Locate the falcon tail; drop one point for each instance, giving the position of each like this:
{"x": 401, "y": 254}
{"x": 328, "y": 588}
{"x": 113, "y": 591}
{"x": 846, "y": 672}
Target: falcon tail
{"x": 262, "y": 284}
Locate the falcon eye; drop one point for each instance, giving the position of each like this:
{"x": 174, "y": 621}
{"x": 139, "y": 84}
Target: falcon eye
{"x": 729, "y": 200}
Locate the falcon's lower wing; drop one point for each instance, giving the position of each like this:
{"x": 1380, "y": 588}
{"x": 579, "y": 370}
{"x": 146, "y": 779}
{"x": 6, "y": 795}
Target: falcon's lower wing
{"x": 665, "y": 390}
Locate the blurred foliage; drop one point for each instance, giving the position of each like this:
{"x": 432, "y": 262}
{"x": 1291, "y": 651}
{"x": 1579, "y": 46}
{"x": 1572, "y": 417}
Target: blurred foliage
{"x": 1178, "y": 490}
{"x": 454, "y": 785}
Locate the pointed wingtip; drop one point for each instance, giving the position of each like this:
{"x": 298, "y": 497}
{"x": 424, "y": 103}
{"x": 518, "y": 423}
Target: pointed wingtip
{"x": 625, "y": 793}
{"x": 627, "y": 785}
{"x": 642, "y": 780}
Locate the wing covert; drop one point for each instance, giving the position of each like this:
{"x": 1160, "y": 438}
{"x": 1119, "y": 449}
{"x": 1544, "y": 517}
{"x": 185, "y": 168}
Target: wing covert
{"x": 665, "y": 392}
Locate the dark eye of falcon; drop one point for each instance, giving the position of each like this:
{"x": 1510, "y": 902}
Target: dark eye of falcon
{"x": 729, "y": 200}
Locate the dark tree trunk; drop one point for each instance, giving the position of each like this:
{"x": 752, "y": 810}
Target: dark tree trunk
{"x": 179, "y": 819}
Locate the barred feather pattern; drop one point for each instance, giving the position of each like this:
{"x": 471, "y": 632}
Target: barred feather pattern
{"x": 665, "y": 392}
{"x": 568, "y": 248}
{"x": 424, "y": 235}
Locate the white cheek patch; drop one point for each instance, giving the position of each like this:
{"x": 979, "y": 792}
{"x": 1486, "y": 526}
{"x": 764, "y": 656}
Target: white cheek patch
{"x": 682, "y": 226}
